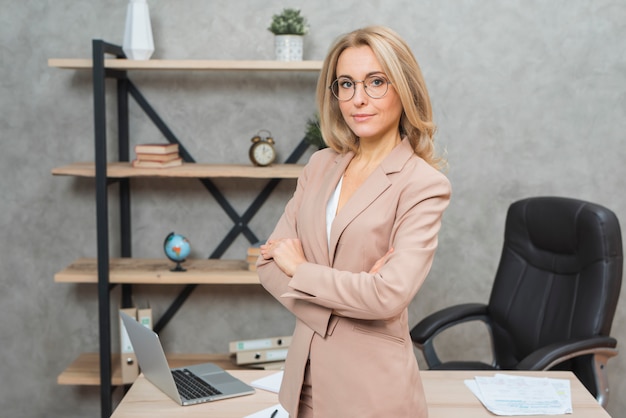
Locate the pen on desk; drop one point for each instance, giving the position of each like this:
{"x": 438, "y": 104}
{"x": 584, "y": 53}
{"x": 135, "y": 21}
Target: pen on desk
{"x": 274, "y": 413}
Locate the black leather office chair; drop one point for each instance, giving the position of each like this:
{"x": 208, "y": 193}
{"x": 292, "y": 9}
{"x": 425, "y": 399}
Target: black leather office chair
{"x": 554, "y": 295}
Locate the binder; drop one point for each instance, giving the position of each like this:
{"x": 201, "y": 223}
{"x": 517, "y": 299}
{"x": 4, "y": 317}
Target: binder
{"x": 252, "y": 256}
{"x": 144, "y": 316}
{"x": 261, "y": 356}
{"x": 128, "y": 360}
{"x": 259, "y": 344}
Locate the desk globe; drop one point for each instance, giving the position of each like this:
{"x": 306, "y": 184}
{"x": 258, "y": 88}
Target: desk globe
{"x": 177, "y": 249}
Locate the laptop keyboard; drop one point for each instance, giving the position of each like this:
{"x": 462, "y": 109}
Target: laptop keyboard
{"x": 191, "y": 386}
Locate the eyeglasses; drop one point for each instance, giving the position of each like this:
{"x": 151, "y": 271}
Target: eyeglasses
{"x": 375, "y": 86}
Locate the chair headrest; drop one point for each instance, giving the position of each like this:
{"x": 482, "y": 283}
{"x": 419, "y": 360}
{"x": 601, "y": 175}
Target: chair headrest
{"x": 545, "y": 227}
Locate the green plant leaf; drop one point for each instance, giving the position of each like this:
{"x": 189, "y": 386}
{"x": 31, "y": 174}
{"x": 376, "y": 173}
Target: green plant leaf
{"x": 289, "y": 22}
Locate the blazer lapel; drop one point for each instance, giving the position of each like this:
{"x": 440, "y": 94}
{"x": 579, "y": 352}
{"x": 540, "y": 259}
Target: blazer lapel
{"x": 369, "y": 191}
{"x": 329, "y": 183}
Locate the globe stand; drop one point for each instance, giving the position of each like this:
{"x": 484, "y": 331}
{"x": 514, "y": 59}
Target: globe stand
{"x": 178, "y": 267}
{"x": 176, "y": 248}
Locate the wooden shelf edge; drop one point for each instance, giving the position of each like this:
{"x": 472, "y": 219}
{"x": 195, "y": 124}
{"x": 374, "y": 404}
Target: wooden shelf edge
{"x": 158, "y": 271}
{"x": 188, "y": 64}
{"x": 187, "y": 170}
{"x": 85, "y": 370}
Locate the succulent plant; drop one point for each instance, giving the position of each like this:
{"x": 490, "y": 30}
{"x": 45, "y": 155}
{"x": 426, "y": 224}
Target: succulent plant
{"x": 289, "y": 22}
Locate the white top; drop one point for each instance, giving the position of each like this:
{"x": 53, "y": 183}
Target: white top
{"x": 331, "y": 209}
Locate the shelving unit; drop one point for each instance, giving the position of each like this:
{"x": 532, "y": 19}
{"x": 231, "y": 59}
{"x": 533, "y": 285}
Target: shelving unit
{"x": 85, "y": 370}
{"x": 106, "y": 271}
{"x": 158, "y": 271}
{"x": 188, "y": 65}
{"x": 125, "y": 170}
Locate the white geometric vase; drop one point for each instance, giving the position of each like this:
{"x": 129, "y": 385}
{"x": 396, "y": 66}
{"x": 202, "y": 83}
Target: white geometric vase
{"x": 288, "y": 47}
{"x": 138, "y": 43}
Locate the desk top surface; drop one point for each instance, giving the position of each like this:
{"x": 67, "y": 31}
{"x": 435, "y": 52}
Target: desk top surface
{"x": 446, "y": 394}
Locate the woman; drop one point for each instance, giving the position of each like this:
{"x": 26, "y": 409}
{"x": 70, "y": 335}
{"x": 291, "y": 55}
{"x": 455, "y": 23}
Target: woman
{"x": 358, "y": 237}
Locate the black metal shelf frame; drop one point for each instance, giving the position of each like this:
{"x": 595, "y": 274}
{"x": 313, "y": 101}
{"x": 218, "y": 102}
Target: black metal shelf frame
{"x": 126, "y": 88}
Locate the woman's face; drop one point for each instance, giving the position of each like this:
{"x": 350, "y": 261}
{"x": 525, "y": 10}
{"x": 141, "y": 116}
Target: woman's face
{"x": 370, "y": 119}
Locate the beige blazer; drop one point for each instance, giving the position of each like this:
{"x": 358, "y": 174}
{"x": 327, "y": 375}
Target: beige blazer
{"x": 351, "y": 324}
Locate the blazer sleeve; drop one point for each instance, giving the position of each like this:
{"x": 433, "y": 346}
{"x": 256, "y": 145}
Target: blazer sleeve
{"x": 387, "y": 293}
{"x": 275, "y": 281}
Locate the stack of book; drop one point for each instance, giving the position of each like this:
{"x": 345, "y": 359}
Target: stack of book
{"x": 253, "y": 254}
{"x": 157, "y": 156}
{"x": 265, "y": 353}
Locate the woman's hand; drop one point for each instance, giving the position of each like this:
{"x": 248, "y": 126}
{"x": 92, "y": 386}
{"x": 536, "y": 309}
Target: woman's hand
{"x": 380, "y": 262}
{"x": 286, "y": 252}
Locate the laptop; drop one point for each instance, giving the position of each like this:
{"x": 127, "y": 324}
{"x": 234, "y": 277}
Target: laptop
{"x": 189, "y": 385}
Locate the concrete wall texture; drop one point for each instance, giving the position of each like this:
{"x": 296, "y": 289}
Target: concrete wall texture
{"x": 529, "y": 98}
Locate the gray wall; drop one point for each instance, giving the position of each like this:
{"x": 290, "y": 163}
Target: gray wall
{"x": 529, "y": 97}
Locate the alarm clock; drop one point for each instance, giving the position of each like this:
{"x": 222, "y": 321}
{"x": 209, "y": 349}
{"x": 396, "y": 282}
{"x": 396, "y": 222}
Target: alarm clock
{"x": 262, "y": 151}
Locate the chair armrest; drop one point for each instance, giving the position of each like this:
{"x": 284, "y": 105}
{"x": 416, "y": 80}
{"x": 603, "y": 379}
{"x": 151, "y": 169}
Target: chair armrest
{"x": 553, "y": 354}
{"x": 436, "y": 322}
{"x": 424, "y": 333}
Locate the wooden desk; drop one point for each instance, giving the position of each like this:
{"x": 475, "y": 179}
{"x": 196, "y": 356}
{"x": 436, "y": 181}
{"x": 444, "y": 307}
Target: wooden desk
{"x": 446, "y": 394}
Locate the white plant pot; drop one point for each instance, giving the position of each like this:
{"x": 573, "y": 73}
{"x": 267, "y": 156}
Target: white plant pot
{"x": 288, "y": 47}
{"x": 138, "y": 43}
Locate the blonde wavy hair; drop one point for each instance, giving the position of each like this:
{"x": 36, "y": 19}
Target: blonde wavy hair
{"x": 402, "y": 69}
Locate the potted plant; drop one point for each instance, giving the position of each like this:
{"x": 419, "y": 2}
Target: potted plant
{"x": 288, "y": 28}
{"x": 312, "y": 134}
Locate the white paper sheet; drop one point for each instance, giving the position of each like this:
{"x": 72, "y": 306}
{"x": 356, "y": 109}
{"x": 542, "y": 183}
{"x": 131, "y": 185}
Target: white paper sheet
{"x": 267, "y": 412}
{"x": 270, "y": 383}
{"x": 518, "y": 395}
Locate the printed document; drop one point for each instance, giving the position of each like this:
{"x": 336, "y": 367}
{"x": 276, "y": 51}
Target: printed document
{"x": 509, "y": 395}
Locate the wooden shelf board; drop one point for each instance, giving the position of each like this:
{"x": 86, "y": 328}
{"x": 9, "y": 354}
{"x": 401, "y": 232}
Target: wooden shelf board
{"x": 158, "y": 271}
{"x": 189, "y": 170}
{"x": 186, "y": 65}
{"x": 85, "y": 370}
